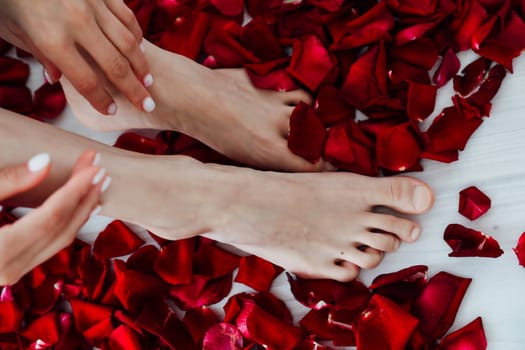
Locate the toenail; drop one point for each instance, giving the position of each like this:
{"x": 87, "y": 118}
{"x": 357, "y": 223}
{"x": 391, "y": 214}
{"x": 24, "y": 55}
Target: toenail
{"x": 421, "y": 198}
{"x": 415, "y": 233}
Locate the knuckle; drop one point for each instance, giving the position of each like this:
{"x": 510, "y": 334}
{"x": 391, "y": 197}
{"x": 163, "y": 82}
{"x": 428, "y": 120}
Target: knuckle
{"x": 87, "y": 85}
{"x": 397, "y": 191}
{"x": 129, "y": 44}
{"x": 118, "y": 68}
{"x": 128, "y": 17}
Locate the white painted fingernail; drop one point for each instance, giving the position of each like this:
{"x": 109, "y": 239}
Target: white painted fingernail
{"x": 95, "y": 211}
{"x": 1, "y": 208}
{"x": 98, "y": 176}
{"x": 112, "y": 109}
{"x": 148, "y": 80}
{"x": 47, "y": 77}
{"x": 148, "y": 104}
{"x": 142, "y": 47}
{"x": 96, "y": 160}
{"x": 105, "y": 184}
{"x": 38, "y": 162}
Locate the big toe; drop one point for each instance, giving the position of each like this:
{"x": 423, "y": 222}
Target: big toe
{"x": 403, "y": 194}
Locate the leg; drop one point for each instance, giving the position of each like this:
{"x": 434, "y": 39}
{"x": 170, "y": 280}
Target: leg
{"x": 320, "y": 225}
{"x": 219, "y": 107}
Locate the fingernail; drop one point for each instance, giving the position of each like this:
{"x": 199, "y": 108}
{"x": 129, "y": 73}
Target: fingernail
{"x": 47, "y": 77}
{"x": 148, "y": 104}
{"x": 1, "y": 208}
{"x": 96, "y": 160}
{"x": 142, "y": 47}
{"x": 105, "y": 184}
{"x": 95, "y": 211}
{"x": 422, "y": 198}
{"x": 112, "y": 109}
{"x": 416, "y": 231}
{"x": 98, "y": 176}
{"x": 38, "y": 162}
{"x": 148, "y": 80}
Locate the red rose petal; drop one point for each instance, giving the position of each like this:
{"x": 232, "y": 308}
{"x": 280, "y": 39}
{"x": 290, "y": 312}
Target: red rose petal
{"x": 421, "y": 52}
{"x": 143, "y": 259}
{"x": 229, "y": 7}
{"x": 16, "y": 99}
{"x": 397, "y": 149}
{"x": 222, "y": 43}
{"x": 259, "y": 38}
{"x": 88, "y": 314}
{"x": 470, "y": 337}
{"x": 13, "y": 71}
{"x": 201, "y": 291}
{"x": 99, "y": 332}
{"x": 339, "y": 147}
{"x": 384, "y": 325}
{"x": 310, "y": 62}
{"x": 473, "y": 74}
{"x": 186, "y": 35}
{"x": 447, "y": 69}
{"x": 402, "y": 286}
{"x": 11, "y": 316}
{"x": 43, "y": 330}
{"x": 174, "y": 263}
{"x": 489, "y": 87}
{"x": 223, "y": 336}
{"x": 318, "y": 323}
{"x": 278, "y": 80}
{"x": 473, "y": 203}
{"x": 49, "y": 101}
{"x": 421, "y": 101}
{"x": 307, "y": 133}
{"x": 199, "y": 321}
{"x": 520, "y": 249}
{"x": 137, "y": 143}
{"x": 437, "y": 306}
{"x": 331, "y": 108}
{"x": 92, "y": 272}
{"x": 116, "y": 240}
{"x": 124, "y": 338}
{"x": 468, "y": 242}
{"x": 46, "y": 295}
{"x": 212, "y": 261}
{"x": 257, "y": 273}
{"x": 472, "y": 16}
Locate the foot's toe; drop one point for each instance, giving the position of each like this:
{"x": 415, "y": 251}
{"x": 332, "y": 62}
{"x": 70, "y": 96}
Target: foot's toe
{"x": 343, "y": 271}
{"x": 366, "y": 258}
{"x": 404, "y": 194}
{"x": 295, "y": 96}
{"x": 405, "y": 229}
{"x": 381, "y": 241}
{"x": 283, "y": 159}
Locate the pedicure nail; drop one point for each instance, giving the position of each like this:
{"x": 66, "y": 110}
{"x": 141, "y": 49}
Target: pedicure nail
{"x": 148, "y": 80}
{"x": 112, "y": 109}
{"x": 414, "y": 235}
{"x": 422, "y": 198}
{"x": 96, "y": 160}
{"x": 148, "y": 104}
{"x": 98, "y": 176}
{"x": 105, "y": 184}
{"x": 38, "y": 162}
{"x": 95, "y": 211}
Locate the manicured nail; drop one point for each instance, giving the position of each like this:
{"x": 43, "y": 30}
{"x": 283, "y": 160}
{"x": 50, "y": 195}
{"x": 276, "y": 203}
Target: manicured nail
{"x": 148, "y": 104}
{"x": 416, "y": 231}
{"x": 95, "y": 211}
{"x": 105, "y": 184}
{"x": 47, "y": 77}
{"x": 99, "y": 176}
{"x": 1, "y": 208}
{"x": 148, "y": 80}
{"x": 38, "y": 162}
{"x": 422, "y": 198}
{"x": 96, "y": 160}
{"x": 112, "y": 109}
{"x": 142, "y": 47}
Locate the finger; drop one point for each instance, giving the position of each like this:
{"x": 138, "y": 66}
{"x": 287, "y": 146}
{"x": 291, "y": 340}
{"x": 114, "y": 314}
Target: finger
{"x": 118, "y": 70}
{"x": 125, "y": 41}
{"x": 51, "y": 73}
{"x": 22, "y": 177}
{"x": 84, "y": 79}
{"x": 126, "y": 17}
{"x": 86, "y": 160}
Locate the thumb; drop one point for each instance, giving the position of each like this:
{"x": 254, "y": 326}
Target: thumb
{"x": 22, "y": 177}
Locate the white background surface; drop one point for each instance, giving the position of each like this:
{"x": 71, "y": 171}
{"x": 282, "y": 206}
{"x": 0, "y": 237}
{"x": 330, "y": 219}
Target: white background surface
{"x": 494, "y": 160}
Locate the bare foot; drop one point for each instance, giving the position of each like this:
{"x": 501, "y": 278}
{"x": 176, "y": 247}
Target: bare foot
{"x": 218, "y": 107}
{"x": 316, "y": 225}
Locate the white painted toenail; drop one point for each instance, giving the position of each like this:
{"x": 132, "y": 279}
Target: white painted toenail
{"x": 112, "y": 109}
{"x": 415, "y": 233}
{"x": 148, "y": 104}
{"x": 421, "y": 198}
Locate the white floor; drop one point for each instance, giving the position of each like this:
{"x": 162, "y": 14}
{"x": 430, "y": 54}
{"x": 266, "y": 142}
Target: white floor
{"x": 494, "y": 160}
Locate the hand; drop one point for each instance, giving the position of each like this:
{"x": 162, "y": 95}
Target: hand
{"x": 42, "y": 233}
{"x": 79, "y": 38}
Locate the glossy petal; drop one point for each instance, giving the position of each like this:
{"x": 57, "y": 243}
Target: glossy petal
{"x": 49, "y": 101}
{"x": 402, "y": 286}
{"x": 397, "y": 148}
{"x": 223, "y": 336}
{"x": 447, "y": 69}
{"x": 470, "y": 337}
{"x": 117, "y": 239}
{"x": 473, "y": 203}
{"x": 307, "y": 133}
{"x": 520, "y": 250}
{"x": 174, "y": 264}
{"x": 198, "y": 321}
{"x": 468, "y": 242}
{"x": 124, "y": 338}
{"x": 257, "y": 273}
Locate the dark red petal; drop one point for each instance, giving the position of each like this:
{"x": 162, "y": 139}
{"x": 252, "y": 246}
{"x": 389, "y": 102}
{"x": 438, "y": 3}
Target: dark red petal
{"x": 278, "y": 80}
{"x": 470, "y": 337}
{"x": 319, "y": 323}
{"x": 489, "y": 87}
{"x": 468, "y": 242}
{"x": 473, "y": 203}
{"x": 520, "y": 249}
{"x": 437, "y": 306}
{"x": 186, "y": 35}
{"x": 201, "y": 291}
{"x": 49, "y": 101}
{"x": 472, "y": 76}
{"x": 46, "y": 295}
{"x": 124, "y": 338}
{"x": 421, "y": 52}
{"x": 307, "y": 133}
{"x": 330, "y": 106}
{"x": 316, "y": 293}
{"x": 88, "y": 314}
{"x": 413, "y": 32}
{"x": 199, "y": 321}
{"x": 13, "y": 71}
{"x": 229, "y": 7}
{"x": 223, "y": 336}
{"x": 265, "y": 300}
{"x": 222, "y": 43}
{"x": 447, "y": 69}
{"x": 402, "y": 286}
{"x": 384, "y": 325}
{"x": 43, "y": 329}
{"x": 143, "y": 259}
{"x": 116, "y": 240}
{"x": 92, "y": 272}
{"x": 212, "y": 261}
{"x": 310, "y": 62}
{"x": 174, "y": 263}
{"x": 397, "y": 149}
{"x": 137, "y": 143}
{"x": 338, "y": 147}
{"x": 258, "y": 37}
{"x": 11, "y": 316}
{"x": 16, "y": 99}
{"x": 257, "y": 273}
{"x": 421, "y": 101}
{"x": 258, "y": 325}
{"x": 465, "y": 25}
{"x": 99, "y": 332}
